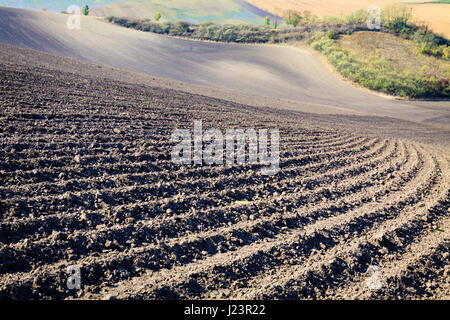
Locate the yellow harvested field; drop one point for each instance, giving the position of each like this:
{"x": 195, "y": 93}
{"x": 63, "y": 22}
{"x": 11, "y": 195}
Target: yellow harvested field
{"x": 399, "y": 53}
{"x": 436, "y": 15}
{"x": 318, "y": 7}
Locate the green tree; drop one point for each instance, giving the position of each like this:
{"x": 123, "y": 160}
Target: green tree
{"x": 157, "y": 16}
{"x": 292, "y": 17}
{"x": 267, "y": 21}
{"x": 85, "y": 10}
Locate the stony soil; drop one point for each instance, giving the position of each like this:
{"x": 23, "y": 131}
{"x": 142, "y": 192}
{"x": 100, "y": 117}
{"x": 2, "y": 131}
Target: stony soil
{"x": 86, "y": 179}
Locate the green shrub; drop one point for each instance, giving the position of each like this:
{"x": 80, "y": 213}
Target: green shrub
{"x": 358, "y": 17}
{"x": 292, "y": 17}
{"x": 180, "y": 28}
{"x": 85, "y": 10}
{"x": 431, "y": 44}
{"x": 396, "y": 17}
{"x": 331, "y": 34}
{"x": 378, "y": 74}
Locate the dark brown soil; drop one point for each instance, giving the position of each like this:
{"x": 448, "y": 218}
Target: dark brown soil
{"x": 86, "y": 179}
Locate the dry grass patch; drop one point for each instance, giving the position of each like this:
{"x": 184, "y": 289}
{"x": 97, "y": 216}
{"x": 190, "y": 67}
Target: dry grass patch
{"x": 377, "y": 70}
{"x": 436, "y": 15}
{"x": 400, "y": 53}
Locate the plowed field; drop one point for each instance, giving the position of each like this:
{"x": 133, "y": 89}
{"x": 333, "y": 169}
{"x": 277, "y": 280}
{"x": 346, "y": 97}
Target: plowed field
{"x": 86, "y": 179}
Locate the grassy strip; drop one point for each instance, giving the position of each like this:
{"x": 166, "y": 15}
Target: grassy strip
{"x": 378, "y": 74}
{"x": 395, "y": 20}
{"x": 242, "y": 33}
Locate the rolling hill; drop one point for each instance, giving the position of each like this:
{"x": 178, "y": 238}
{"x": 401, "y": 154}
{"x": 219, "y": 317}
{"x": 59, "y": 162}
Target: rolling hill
{"x": 53, "y": 5}
{"x": 281, "y": 72}
{"x": 195, "y": 11}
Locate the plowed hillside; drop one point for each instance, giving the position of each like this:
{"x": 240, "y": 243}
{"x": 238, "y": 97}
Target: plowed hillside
{"x": 268, "y": 71}
{"x": 86, "y": 179}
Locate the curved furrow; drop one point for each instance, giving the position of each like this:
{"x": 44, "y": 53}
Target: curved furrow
{"x": 143, "y": 167}
{"x": 86, "y": 179}
{"x": 333, "y": 272}
{"x": 224, "y": 171}
{"x": 156, "y": 208}
{"x": 149, "y": 259}
{"x": 167, "y": 225}
{"x": 223, "y": 268}
{"x": 87, "y": 146}
{"x": 419, "y": 269}
{"x": 161, "y": 158}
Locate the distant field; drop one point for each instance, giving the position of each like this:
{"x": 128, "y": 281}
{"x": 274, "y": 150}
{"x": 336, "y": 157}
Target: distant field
{"x": 53, "y": 5}
{"x": 437, "y": 15}
{"x": 318, "y": 7}
{"x": 196, "y": 11}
